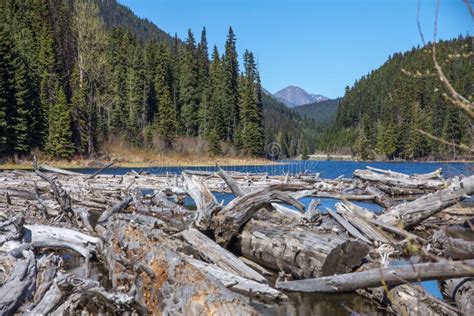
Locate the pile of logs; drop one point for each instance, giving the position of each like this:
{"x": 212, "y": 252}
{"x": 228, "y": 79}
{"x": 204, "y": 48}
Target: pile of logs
{"x": 160, "y": 257}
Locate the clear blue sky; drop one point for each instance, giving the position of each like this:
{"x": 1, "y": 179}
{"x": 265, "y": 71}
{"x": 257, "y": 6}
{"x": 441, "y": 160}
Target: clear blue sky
{"x": 319, "y": 45}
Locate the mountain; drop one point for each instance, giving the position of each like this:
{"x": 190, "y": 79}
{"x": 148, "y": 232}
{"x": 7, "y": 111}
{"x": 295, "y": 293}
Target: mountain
{"x": 320, "y": 112}
{"x": 293, "y": 96}
{"x": 401, "y": 110}
{"x": 115, "y": 14}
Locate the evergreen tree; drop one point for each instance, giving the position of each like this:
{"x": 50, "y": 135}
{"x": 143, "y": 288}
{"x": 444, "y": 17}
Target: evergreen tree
{"x": 189, "y": 87}
{"x": 214, "y": 144}
{"x": 59, "y": 139}
{"x": 7, "y": 99}
{"x": 137, "y": 93}
{"x": 167, "y": 124}
{"x": 231, "y": 90}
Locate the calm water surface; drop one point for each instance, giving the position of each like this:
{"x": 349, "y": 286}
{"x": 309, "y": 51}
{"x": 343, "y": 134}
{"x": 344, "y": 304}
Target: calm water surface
{"x": 317, "y": 304}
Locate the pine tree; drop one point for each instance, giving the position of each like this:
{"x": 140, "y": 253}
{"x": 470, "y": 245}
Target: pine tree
{"x": 167, "y": 124}
{"x": 7, "y": 100}
{"x": 231, "y": 89}
{"x": 214, "y": 144}
{"x": 60, "y": 144}
{"x": 136, "y": 89}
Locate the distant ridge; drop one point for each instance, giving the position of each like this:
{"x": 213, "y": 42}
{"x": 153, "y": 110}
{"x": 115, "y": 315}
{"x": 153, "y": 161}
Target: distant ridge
{"x": 321, "y": 112}
{"x": 293, "y": 96}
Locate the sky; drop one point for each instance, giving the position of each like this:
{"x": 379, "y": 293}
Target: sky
{"x": 320, "y": 45}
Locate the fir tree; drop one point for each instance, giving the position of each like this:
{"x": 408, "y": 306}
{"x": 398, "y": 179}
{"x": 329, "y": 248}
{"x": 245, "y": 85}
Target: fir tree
{"x": 59, "y": 139}
{"x": 167, "y": 124}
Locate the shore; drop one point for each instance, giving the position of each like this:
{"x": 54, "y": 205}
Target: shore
{"x": 158, "y": 161}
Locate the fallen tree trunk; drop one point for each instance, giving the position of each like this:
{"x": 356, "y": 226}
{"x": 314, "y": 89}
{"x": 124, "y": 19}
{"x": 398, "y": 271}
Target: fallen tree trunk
{"x": 144, "y": 261}
{"x": 209, "y": 251}
{"x": 300, "y": 251}
{"x": 461, "y": 291}
{"x": 383, "y": 276}
{"x": 42, "y": 236}
{"x": 236, "y": 283}
{"x": 380, "y": 197}
{"x": 397, "y": 179}
{"x": 412, "y": 213}
{"x": 227, "y": 222}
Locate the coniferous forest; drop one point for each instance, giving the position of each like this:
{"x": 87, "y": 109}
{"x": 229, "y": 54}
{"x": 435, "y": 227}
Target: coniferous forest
{"x": 401, "y": 109}
{"x": 72, "y": 80}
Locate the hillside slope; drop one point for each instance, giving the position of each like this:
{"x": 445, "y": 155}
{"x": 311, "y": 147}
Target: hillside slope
{"x": 320, "y": 112}
{"x": 390, "y": 112}
{"x": 293, "y": 96}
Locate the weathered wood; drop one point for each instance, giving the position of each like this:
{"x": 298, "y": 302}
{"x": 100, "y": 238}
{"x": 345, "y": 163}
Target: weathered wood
{"x": 412, "y": 300}
{"x": 59, "y": 170}
{"x": 412, "y": 213}
{"x": 145, "y": 261}
{"x": 101, "y": 169}
{"x": 456, "y": 242}
{"x": 380, "y": 197}
{"x": 300, "y": 251}
{"x": 364, "y": 226}
{"x": 239, "y": 284}
{"x": 42, "y": 236}
{"x": 348, "y": 226}
{"x": 211, "y": 252}
{"x": 19, "y": 285}
{"x": 205, "y": 201}
{"x": 398, "y": 231}
{"x": 377, "y": 277}
{"x": 115, "y": 209}
{"x": 226, "y": 223}
{"x": 397, "y": 179}
{"x": 461, "y": 291}
{"x": 233, "y": 185}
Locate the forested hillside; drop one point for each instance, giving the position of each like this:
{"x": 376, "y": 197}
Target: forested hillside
{"x": 71, "y": 80}
{"x": 393, "y": 111}
{"x": 323, "y": 112}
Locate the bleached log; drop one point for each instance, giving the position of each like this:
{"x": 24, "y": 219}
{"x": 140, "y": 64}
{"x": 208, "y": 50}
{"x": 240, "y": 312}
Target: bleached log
{"x": 348, "y": 226}
{"x": 412, "y": 213}
{"x": 205, "y": 201}
{"x": 19, "y": 285}
{"x": 42, "y": 236}
{"x": 300, "y": 251}
{"x": 377, "y": 277}
{"x": 59, "y": 170}
{"x": 239, "y": 284}
{"x": 211, "y": 252}
{"x": 364, "y": 226}
{"x": 227, "y": 222}
{"x": 461, "y": 291}
{"x": 398, "y": 180}
{"x": 233, "y": 185}
{"x": 380, "y": 197}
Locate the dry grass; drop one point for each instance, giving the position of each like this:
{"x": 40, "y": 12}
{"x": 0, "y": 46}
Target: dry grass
{"x": 187, "y": 152}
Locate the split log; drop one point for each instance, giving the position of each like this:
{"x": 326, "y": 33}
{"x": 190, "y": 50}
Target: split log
{"x": 413, "y": 300}
{"x": 412, "y": 213}
{"x": 42, "y": 236}
{"x": 348, "y": 226}
{"x": 226, "y": 223}
{"x": 364, "y": 226}
{"x": 239, "y": 284}
{"x": 143, "y": 261}
{"x": 205, "y": 201}
{"x": 383, "y": 276}
{"x": 19, "y": 285}
{"x": 398, "y": 231}
{"x": 300, "y": 251}
{"x": 397, "y": 179}
{"x": 209, "y": 251}
{"x": 456, "y": 242}
{"x": 461, "y": 291}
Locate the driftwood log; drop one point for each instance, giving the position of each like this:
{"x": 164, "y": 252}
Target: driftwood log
{"x": 383, "y": 276}
{"x": 461, "y": 291}
{"x": 301, "y": 252}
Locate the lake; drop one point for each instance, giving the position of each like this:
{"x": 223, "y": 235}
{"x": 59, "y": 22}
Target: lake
{"x": 317, "y": 304}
